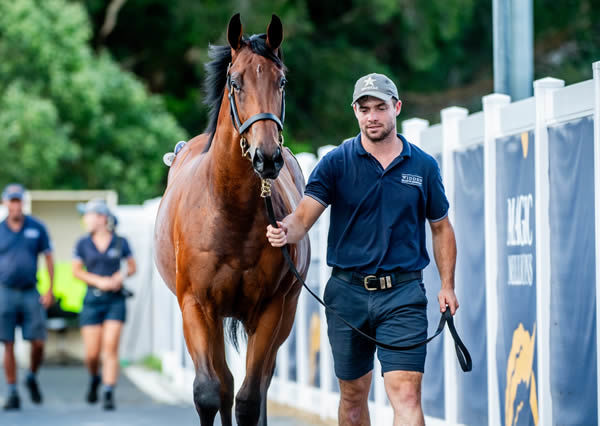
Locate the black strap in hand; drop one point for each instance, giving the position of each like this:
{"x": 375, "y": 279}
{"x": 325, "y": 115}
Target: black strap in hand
{"x": 464, "y": 358}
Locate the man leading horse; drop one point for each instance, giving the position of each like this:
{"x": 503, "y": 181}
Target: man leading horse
{"x": 381, "y": 189}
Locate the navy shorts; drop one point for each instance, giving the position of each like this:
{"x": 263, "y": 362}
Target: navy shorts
{"x": 21, "y": 308}
{"x": 397, "y": 316}
{"x": 95, "y": 312}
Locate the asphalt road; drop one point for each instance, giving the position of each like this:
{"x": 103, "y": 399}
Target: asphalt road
{"x": 64, "y": 388}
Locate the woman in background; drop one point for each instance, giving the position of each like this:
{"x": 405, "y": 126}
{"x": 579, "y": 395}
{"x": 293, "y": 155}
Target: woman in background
{"x": 103, "y": 312}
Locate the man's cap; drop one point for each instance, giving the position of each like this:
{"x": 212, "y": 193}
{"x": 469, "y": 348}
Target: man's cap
{"x": 376, "y": 85}
{"x": 94, "y": 206}
{"x": 13, "y": 191}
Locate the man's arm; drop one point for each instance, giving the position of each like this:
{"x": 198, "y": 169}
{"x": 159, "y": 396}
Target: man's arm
{"x": 444, "y": 250}
{"x": 48, "y": 298}
{"x": 295, "y": 226}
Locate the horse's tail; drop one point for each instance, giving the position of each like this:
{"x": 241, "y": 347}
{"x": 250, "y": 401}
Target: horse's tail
{"x": 232, "y": 330}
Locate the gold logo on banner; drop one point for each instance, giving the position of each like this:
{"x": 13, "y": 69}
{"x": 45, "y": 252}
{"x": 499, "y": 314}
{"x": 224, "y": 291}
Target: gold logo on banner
{"x": 314, "y": 347}
{"x": 525, "y": 143}
{"x": 519, "y": 370}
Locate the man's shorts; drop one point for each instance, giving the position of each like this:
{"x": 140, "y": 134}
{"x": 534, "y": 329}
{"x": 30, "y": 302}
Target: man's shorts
{"x": 21, "y": 308}
{"x": 396, "y": 316}
{"x": 95, "y": 313}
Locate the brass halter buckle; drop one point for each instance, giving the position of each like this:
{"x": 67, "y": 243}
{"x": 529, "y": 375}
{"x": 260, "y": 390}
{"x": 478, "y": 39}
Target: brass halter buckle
{"x": 265, "y": 188}
{"x": 245, "y": 148}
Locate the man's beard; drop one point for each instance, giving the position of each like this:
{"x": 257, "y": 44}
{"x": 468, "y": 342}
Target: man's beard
{"x": 384, "y": 134}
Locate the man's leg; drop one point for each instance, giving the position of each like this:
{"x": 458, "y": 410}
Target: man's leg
{"x": 404, "y": 392}
{"x": 10, "y": 364}
{"x": 354, "y": 398}
{"x": 37, "y": 355}
{"x": 34, "y": 330}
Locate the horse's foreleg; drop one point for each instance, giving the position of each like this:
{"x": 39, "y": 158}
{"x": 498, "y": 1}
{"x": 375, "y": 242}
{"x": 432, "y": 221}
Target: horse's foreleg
{"x": 287, "y": 322}
{"x": 213, "y": 384}
{"x": 272, "y": 329}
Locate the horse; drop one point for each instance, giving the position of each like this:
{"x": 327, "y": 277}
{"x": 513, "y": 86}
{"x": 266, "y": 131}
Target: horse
{"x": 210, "y": 233}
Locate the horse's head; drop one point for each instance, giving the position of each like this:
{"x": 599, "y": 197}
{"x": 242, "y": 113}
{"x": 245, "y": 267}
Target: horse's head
{"x": 255, "y": 87}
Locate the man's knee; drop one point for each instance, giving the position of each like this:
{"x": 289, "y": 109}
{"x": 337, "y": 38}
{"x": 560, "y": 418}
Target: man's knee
{"x": 355, "y": 392}
{"x": 37, "y": 345}
{"x": 404, "y": 390}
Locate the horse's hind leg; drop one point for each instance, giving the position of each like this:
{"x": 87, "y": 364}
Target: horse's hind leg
{"x": 272, "y": 329}
{"x": 213, "y": 385}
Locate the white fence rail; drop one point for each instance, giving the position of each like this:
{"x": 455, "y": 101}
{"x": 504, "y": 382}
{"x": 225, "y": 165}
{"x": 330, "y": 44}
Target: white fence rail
{"x": 477, "y": 149}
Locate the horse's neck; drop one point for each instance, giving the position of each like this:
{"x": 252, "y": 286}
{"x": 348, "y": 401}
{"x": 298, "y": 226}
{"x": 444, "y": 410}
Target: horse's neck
{"x": 235, "y": 183}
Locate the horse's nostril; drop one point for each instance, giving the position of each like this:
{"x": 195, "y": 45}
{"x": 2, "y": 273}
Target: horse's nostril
{"x": 258, "y": 162}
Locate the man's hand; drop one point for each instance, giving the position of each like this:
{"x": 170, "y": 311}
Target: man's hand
{"x": 47, "y": 299}
{"x": 446, "y": 296}
{"x": 277, "y": 236}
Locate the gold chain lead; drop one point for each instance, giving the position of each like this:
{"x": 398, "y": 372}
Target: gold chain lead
{"x": 265, "y": 188}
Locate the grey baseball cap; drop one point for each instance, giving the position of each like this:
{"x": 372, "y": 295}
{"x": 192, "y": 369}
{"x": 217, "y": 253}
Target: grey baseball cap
{"x": 13, "y": 191}
{"x": 377, "y": 85}
{"x": 97, "y": 205}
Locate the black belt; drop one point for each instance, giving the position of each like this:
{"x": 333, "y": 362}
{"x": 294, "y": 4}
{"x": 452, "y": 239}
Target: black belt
{"x": 376, "y": 282}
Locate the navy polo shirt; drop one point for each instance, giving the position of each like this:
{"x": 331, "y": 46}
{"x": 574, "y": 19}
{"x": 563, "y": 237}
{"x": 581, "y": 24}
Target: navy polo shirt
{"x": 103, "y": 263}
{"x": 19, "y": 253}
{"x": 378, "y": 216}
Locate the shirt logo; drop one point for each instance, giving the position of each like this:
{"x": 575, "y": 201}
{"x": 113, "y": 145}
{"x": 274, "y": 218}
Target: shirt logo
{"x": 412, "y": 180}
{"x": 113, "y": 252}
{"x": 31, "y": 233}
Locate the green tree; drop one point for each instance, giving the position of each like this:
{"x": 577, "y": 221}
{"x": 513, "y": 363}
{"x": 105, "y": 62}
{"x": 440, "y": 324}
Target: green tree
{"x": 71, "y": 118}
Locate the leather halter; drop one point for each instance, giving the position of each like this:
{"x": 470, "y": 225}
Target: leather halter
{"x": 247, "y": 150}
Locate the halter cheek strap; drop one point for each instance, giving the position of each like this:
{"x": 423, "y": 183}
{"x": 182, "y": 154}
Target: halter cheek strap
{"x": 242, "y": 127}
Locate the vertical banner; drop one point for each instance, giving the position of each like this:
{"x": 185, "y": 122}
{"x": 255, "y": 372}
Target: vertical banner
{"x": 433, "y": 380}
{"x": 573, "y": 377}
{"x": 470, "y": 283}
{"x": 516, "y": 340}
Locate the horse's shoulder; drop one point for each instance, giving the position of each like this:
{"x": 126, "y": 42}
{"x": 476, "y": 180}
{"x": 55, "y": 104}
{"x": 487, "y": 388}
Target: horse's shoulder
{"x": 295, "y": 169}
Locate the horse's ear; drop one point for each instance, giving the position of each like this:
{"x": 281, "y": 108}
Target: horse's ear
{"x": 274, "y": 33}
{"x": 234, "y": 32}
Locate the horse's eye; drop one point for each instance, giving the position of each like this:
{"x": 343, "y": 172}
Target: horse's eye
{"x": 282, "y": 83}
{"x": 235, "y": 85}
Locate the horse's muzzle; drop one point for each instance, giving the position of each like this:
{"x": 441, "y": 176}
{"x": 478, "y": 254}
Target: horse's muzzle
{"x": 267, "y": 167}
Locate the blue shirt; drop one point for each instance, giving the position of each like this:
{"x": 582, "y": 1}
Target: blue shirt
{"x": 103, "y": 263}
{"x": 19, "y": 252}
{"x": 378, "y": 216}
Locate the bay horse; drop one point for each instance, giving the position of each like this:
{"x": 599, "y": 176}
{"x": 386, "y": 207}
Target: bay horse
{"x": 210, "y": 232}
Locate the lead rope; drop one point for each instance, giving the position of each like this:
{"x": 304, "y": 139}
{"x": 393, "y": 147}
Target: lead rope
{"x": 464, "y": 358}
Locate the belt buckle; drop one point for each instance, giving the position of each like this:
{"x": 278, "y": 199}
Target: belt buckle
{"x": 366, "y": 282}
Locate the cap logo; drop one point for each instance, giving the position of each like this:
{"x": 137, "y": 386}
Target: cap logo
{"x": 369, "y": 83}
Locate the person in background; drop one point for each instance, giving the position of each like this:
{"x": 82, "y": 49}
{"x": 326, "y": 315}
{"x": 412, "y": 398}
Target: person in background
{"x": 22, "y": 239}
{"x": 97, "y": 261}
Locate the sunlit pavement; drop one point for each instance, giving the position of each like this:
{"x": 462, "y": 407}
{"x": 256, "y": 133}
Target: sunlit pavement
{"x": 64, "y": 389}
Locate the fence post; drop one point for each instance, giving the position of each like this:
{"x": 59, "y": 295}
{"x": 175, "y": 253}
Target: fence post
{"x": 450, "y": 139}
{"x": 492, "y": 104}
{"x": 412, "y": 129}
{"x": 543, "y": 89}
{"x": 596, "y": 68}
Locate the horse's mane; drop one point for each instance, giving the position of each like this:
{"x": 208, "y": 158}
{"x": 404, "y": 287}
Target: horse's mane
{"x": 216, "y": 75}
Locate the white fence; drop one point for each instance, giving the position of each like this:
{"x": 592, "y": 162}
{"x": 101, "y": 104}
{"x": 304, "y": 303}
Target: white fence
{"x": 527, "y": 224}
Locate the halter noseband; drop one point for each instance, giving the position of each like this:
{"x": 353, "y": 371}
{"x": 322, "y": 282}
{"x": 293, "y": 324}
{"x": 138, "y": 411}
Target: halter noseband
{"x": 242, "y": 127}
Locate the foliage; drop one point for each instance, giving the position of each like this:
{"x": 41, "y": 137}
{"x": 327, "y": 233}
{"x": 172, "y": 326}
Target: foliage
{"x": 438, "y": 52}
{"x": 71, "y": 118}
